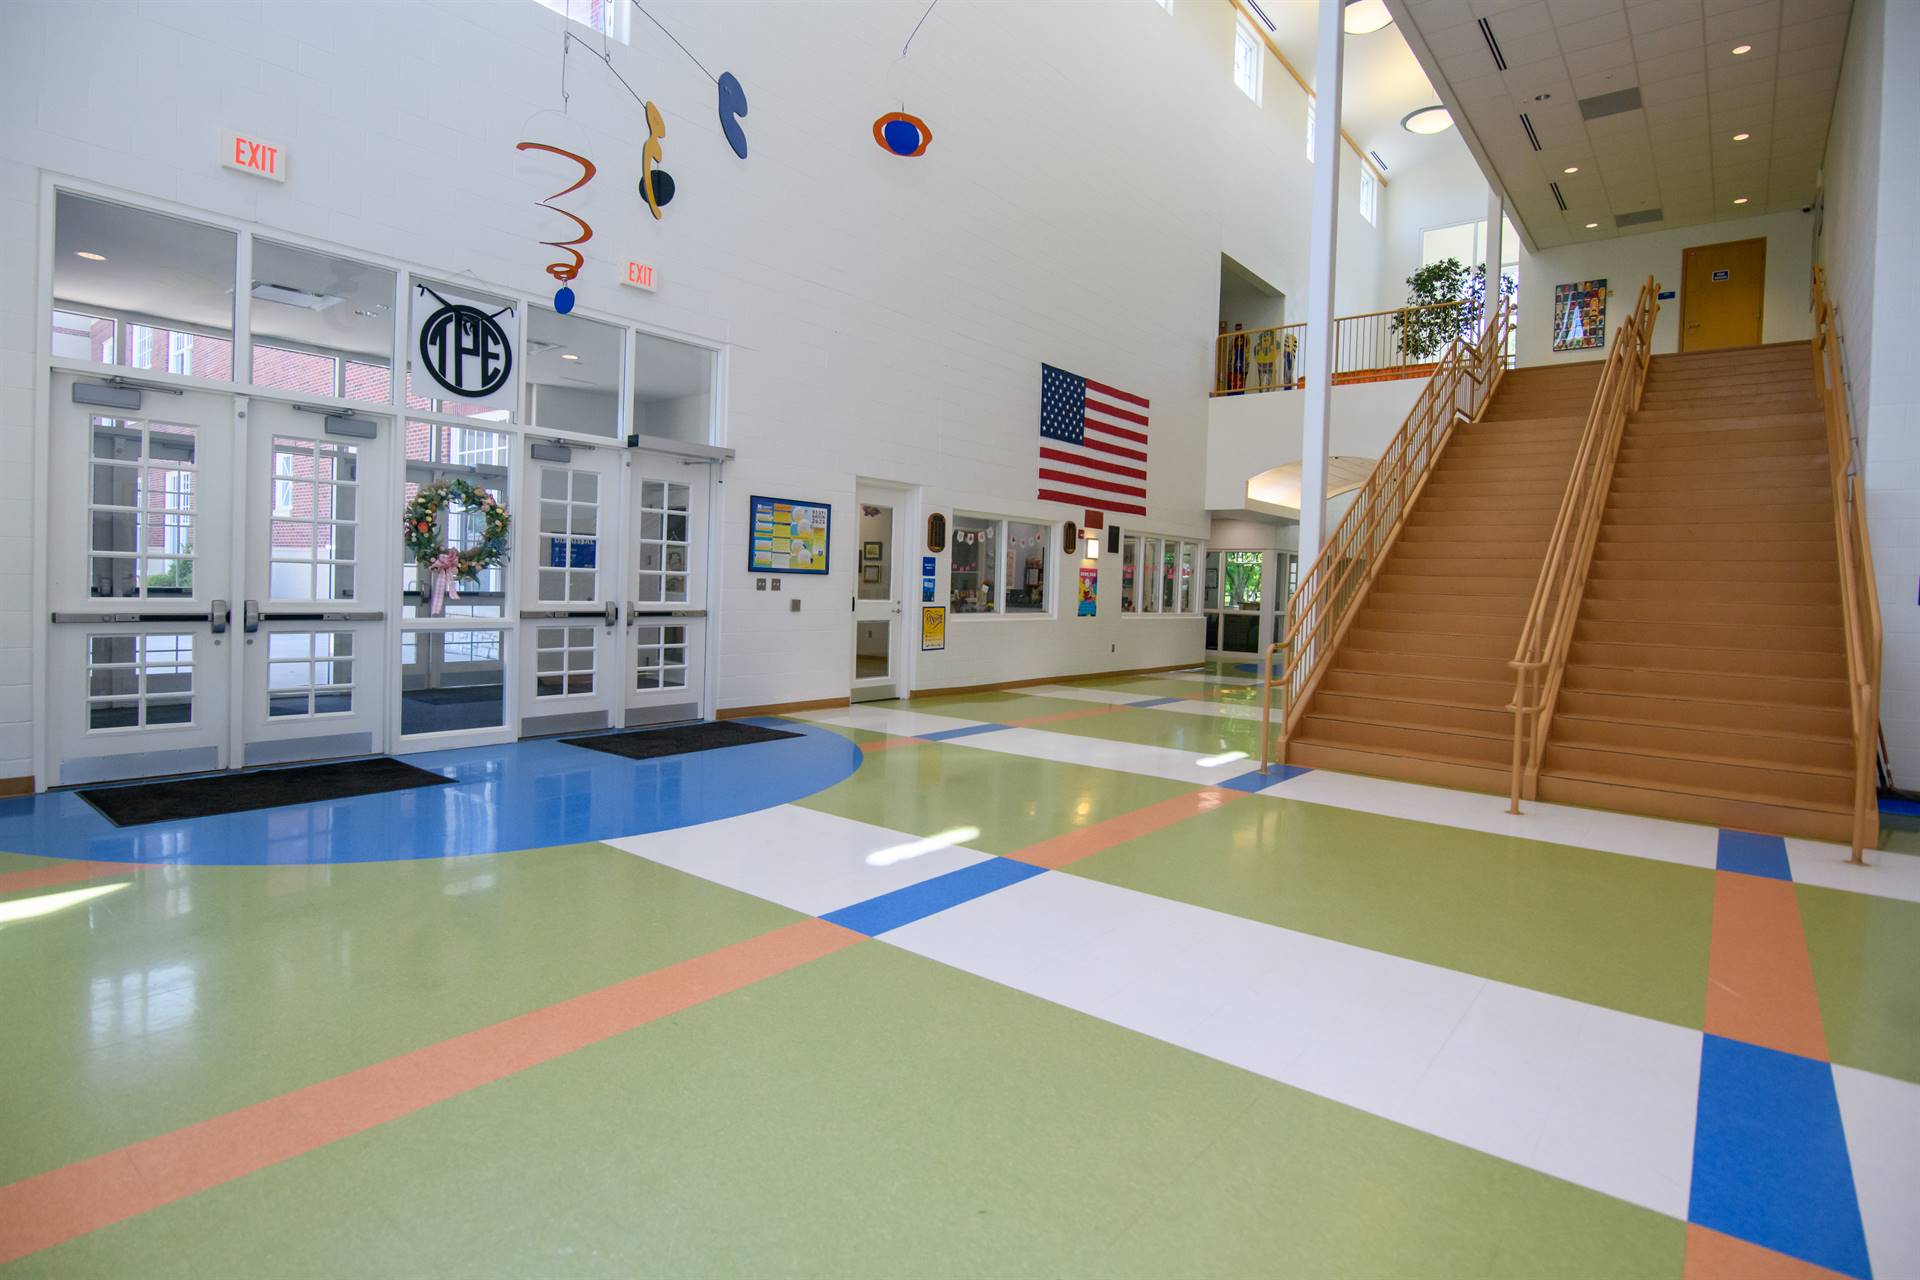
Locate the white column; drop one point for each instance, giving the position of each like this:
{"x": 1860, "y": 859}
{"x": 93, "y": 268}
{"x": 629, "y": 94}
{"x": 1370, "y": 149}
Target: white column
{"x": 1318, "y": 356}
{"x": 1496, "y": 212}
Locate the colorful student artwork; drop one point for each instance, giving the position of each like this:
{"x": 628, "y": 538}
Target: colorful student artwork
{"x": 904, "y": 135}
{"x": 786, "y": 536}
{"x": 933, "y": 629}
{"x": 1580, "y": 315}
{"x": 733, "y": 105}
{"x": 565, "y": 272}
{"x": 1089, "y": 590}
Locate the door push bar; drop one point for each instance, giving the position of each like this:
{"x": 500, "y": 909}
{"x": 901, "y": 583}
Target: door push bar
{"x": 609, "y": 615}
{"x": 96, "y": 619}
{"x": 636, "y": 614}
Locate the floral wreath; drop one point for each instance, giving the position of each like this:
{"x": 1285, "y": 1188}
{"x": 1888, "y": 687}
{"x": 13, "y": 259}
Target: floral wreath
{"x": 442, "y": 563}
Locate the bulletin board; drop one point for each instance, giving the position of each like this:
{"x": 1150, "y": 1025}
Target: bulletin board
{"x": 785, "y": 536}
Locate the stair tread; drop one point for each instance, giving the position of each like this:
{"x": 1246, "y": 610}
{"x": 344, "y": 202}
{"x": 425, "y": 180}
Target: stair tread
{"x": 1770, "y": 799}
{"x": 1796, "y": 735}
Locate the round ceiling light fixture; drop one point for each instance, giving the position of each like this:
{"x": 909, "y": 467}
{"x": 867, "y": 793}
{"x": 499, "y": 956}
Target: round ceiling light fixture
{"x": 1428, "y": 120}
{"x": 1364, "y": 17}
{"x": 1741, "y": 200}
{"x": 90, "y": 256}
{"x": 1572, "y": 168}
{"x": 568, "y": 355}
{"x": 1592, "y": 225}
{"x": 1742, "y": 48}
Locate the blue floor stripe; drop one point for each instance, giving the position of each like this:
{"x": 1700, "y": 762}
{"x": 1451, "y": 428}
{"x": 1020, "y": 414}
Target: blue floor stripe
{"x": 1753, "y": 854}
{"x": 1258, "y": 781}
{"x": 917, "y": 901}
{"x": 1770, "y": 1156}
{"x": 1905, "y": 808}
{"x": 1155, "y": 702}
{"x": 966, "y": 732}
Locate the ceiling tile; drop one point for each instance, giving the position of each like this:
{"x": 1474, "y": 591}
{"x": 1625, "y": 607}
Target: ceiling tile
{"x": 1831, "y": 29}
{"x": 1527, "y": 19}
{"x": 1531, "y": 48}
{"x": 1670, "y": 65}
{"x": 1431, "y": 14}
{"x": 1451, "y": 42}
{"x": 1661, "y": 13}
{"x": 1813, "y": 84}
{"x": 1584, "y": 34}
{"x": 1792, "y": 11}
{"x": 1487, "y": 88}
{"x": 1751, "y": 70}
{"x": 1814, "y": 57}
{"x": 1549, "y": 75}
{"x": 1597, "y": 58}
{"x": 1604, "y": 82}
{"x": 1744, "y": 97}
{"x": 1664, "y": 40}
{"x": 1677, "y": 89}
{"x": 1720, "y": 53}
{"x": 1744, "y": 24}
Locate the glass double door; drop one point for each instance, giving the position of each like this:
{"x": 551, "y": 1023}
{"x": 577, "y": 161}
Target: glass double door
{"x": 613, "y": 585}
{"x": 216, "y": 598}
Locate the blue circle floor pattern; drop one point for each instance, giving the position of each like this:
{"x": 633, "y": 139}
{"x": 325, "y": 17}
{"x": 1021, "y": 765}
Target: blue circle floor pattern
{"x": 521, "y": 795}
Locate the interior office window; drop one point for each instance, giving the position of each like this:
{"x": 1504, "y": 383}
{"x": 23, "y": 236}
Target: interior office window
{"x": 976, "y": 555}
{"x": 322, "y": 325}
{"x": 573, "y": 373}
{"x": 1028, "y": 547}
{"x": 1369, "y": 196}
{"x": 141, "y": 289}
{"x": 1246, "y": 61}
{"x": 673, "y": 388}
{"x": 1130, "y": 573}
{"x": 1188, "y": 551}
{"x": 607, "y": 17}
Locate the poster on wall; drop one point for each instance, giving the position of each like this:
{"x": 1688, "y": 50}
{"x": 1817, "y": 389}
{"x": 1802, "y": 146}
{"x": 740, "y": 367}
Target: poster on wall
{"x": 933, "y": 629}
{"x": 463, "y": 349}
{"x": 926, "y": 580}
{"x": 785, "y": 536}
{"x": 1580, "y": 315}
{"x": 1089, "y": 590}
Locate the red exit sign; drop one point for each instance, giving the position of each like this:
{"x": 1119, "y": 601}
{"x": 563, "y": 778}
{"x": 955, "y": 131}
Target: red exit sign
{"x": 640, "y": 275}
{"x": 251, "y": 155}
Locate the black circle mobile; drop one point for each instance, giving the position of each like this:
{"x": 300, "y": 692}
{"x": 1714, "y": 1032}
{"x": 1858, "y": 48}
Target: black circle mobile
{"x": 466, "y": 350}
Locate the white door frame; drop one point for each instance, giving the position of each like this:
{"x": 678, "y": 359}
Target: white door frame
{"x": 905, "y": 552}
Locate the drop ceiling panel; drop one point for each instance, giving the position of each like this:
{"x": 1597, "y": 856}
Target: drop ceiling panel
{"x": 1674, "y": 153}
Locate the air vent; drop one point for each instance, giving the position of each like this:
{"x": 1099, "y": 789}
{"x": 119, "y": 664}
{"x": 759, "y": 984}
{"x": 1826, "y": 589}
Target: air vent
{"x": 1262, "y": 15}
{"x": 1639, "y": 219}
{"x": 1557, "y": 197}
{"x": 1382, "y": 164}
{"x": 1527, "y": 124}
{"x": 287, "y": 295}
{"x": 1609, "y": 104}
{"x": 1493, "y": 46}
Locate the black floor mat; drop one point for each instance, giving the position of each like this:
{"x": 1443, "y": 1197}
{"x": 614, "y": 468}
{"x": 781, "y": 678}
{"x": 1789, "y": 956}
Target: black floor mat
{"x": 647, "y": 744}
{"x": 140, "y": 803}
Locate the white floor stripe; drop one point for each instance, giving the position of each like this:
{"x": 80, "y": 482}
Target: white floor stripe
{"x": 1099, "y": 753}
{"x": 1882, "y": 1120}
{"x": 800, "y": 858}
{"x": 1600, "y": 1098}
{"x": 904, "y": 724}
{"x": 1886, "y": 875}
{"x": 1121, "y": 697}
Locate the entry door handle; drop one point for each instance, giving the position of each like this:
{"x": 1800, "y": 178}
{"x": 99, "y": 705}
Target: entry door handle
{"x": 613, "y": 614}
{"x": 250, "y": 616}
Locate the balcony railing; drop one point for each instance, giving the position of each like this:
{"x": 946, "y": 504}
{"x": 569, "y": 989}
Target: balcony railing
{"x": 1379, "y": 346}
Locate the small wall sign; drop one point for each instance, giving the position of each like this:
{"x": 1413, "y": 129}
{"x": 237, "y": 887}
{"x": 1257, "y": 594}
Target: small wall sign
{"x": 251, "y": 155}
{"x": 933, "y": 629}
{"x": 926, "y": 579}
{"x": 1720, "y": 276}
{"x": 640, "y": 276}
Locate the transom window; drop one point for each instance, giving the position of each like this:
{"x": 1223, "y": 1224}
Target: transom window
{"x": 1246, "y": 61}
{"x": 606, "y": 17}
{"x": 141, "y": 509}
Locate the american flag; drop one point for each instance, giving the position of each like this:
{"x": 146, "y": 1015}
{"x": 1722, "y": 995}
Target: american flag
{"x": 1093, "y": 443}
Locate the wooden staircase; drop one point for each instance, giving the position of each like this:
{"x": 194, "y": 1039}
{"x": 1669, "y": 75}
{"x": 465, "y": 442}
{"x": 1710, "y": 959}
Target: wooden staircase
{"x": 1707, "y": 675}
{"x": 1419, "y": 685}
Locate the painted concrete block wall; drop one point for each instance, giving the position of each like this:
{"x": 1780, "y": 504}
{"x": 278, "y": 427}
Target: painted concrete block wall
{"x": 1250, "y": 434}
{"x": 1872, "y": 249}
{"x": 884, "y": 318}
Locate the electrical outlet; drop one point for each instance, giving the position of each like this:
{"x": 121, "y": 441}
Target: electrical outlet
{"x": 759, "y": 584}
{"x": 776, "y": 584}
{"x": 793, "y": 606}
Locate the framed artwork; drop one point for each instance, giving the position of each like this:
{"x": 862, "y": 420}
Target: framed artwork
{"x": 869, "y": 551}
{"x": 1580, "y": 315}
{"x": 785, "y": 536}
{"x": 870, "y": 573}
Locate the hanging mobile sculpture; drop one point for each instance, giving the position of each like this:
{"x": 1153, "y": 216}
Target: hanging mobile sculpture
{"x": 898, "y": 132}
{"x": 565, "y": 272}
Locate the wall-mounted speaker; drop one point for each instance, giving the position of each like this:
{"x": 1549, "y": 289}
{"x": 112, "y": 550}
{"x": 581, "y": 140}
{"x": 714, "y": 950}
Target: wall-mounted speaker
{"x": 1113, "y": 539}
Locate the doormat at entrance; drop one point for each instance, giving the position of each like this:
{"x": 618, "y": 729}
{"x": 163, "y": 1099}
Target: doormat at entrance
{"x": 169, "y": 801}
{"x": 646, "y": 744}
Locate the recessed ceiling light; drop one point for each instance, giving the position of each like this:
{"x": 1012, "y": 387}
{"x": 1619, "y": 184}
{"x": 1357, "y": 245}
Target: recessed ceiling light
{"x": 1592, "y": 225}
{"x": 91, "y": 257}
{"x": 1742, "y": 48}
{"x": 1741, "y": 200}
{"x": 1364, "y": 17}
{"x": 1741, "y": 137}
{"x": 568, "y": 355}
{"x": 1572, "y": 168}
{"x": 1434, "y": 119}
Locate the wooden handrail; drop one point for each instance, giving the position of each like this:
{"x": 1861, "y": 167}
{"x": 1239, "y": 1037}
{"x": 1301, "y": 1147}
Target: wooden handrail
{"x": 1540, "y": 658}
{"x": 1859, "y": 595}
{"x": 1330, "y": 591}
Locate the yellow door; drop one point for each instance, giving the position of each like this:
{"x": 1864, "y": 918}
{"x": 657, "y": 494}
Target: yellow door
{"x": 1723, "y": 289}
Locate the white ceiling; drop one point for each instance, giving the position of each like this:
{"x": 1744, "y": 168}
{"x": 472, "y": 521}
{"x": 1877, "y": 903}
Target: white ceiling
{"x": 1675, "y": 153}
{"x": 1382, "y": 81}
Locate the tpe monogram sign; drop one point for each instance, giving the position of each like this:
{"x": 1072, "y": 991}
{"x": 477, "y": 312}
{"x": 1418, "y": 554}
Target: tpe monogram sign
{"x": 465, "y": 347}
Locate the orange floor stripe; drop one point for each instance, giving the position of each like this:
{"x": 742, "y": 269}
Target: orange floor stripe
{"x": 62, "y": 873}
{"x": 1712, "y": 1256}
{"x": 50, "y": 1208}
{"x": 888, "y": 744}
{"x": 1084, "y": 843}
{"x": 1759, "y": 977}
{"x": 1054, "y": 717}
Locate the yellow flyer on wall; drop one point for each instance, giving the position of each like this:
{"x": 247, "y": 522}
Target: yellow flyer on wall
{"x": 933, "y": 629}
